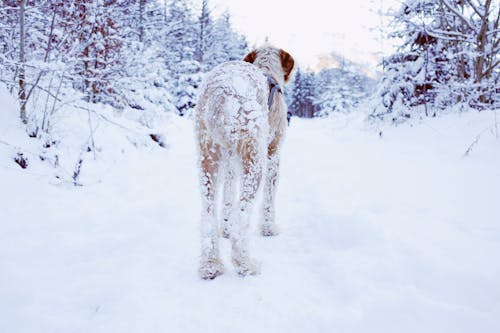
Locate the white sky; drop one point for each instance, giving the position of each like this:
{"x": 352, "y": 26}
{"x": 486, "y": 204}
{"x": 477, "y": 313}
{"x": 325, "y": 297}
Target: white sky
{"x": 309, "y": 28}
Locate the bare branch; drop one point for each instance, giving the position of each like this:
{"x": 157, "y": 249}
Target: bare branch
{"x": 481, "y": 15}
{"x": 476, "y": 139}
{"x": 491, "y": 68}
{"x": 458, "y": 14}
{"x": 442, "y": 33}
{"x": 49, "y": 93}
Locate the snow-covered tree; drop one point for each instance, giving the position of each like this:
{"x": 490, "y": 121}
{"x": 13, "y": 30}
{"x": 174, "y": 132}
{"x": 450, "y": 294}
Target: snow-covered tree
{"x": 127, "y": 53}
{"x": 303, "y": 94}
{"x": 194, "y": 46}
{"x": 448, "y": 54}
{"x": 93, "y": 42}
{"x": 205, "y": 28}
{"x": 341, "y": 88}
{"x": 222, "y": 43}
{"x": 180, "y": 32}
{"x": 180, "y": 40}
{"x": 187, "y": 84}
{"x": 25, "y": 45}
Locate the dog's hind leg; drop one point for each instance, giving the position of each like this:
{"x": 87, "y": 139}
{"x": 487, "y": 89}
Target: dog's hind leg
{"x": 210, "y": 263}
{"x": 229, "y": 196}
{"x": 251, "y": 159}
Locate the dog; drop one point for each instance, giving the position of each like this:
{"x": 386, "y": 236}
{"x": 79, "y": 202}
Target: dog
{"x": 240, "y": 123}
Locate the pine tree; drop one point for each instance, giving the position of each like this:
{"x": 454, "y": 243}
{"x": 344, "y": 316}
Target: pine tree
{"x": 205, "y": 28}
{"x": 295, "y": 94}
{"x": 303, "y": 94}
{"x": 341, "y": 89}
{"x": 223, "y": 44}
{"x": 181, "y": 45}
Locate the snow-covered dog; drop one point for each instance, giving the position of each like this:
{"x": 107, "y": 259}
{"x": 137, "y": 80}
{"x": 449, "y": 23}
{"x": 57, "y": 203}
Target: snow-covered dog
{"x": 240, "y": 123}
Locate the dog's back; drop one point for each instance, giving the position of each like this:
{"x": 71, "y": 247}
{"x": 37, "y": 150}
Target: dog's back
{"x": 233, "y": 103}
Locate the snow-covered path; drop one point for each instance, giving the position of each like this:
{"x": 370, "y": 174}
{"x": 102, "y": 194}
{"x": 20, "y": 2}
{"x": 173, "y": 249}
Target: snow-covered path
{"x": 391, "y": 234}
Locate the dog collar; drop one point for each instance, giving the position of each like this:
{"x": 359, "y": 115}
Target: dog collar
{"x": 273, "y": 88}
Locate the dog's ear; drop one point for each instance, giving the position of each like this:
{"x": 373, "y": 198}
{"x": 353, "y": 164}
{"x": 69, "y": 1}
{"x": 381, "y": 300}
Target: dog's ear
{"x": 250, "y": 57}
{"x": 287, "y": 63}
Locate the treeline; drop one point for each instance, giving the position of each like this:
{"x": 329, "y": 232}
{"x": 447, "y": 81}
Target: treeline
{"x": 120, "y": 52}
{"x": 340, "y": 87}
{"x": 448, "y": 56}
{"x": 145, "y": 53}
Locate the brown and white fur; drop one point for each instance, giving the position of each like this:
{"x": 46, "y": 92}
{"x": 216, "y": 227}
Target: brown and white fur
{"x": 239, "y": 138}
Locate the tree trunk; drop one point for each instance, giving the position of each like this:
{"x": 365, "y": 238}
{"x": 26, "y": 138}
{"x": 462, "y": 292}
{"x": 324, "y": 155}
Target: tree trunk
{"x": 461, "y": 64}
{"x": 22, "y": 72}
{"x": 481, "y": 47}
{"x": 142, "y": 8}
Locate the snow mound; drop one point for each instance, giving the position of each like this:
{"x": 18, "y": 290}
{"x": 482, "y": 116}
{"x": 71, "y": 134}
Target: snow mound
{"x": 85, "y": 141}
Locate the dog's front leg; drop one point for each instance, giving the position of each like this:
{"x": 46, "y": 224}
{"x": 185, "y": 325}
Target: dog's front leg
{"x": 268, "y": 226}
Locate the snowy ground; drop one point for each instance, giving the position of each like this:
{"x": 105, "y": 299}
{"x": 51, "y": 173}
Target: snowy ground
{"x": 398, "y": 233}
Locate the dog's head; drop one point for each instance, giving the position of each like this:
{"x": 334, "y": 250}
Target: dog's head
{"x": 277, "y": 62}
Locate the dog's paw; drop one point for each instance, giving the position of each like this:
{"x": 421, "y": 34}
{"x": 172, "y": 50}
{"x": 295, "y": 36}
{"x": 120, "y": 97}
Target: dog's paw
{"x": 210, "y": 269}
{"x": 245, "y": 267}
{"x": 269, "y": 230}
